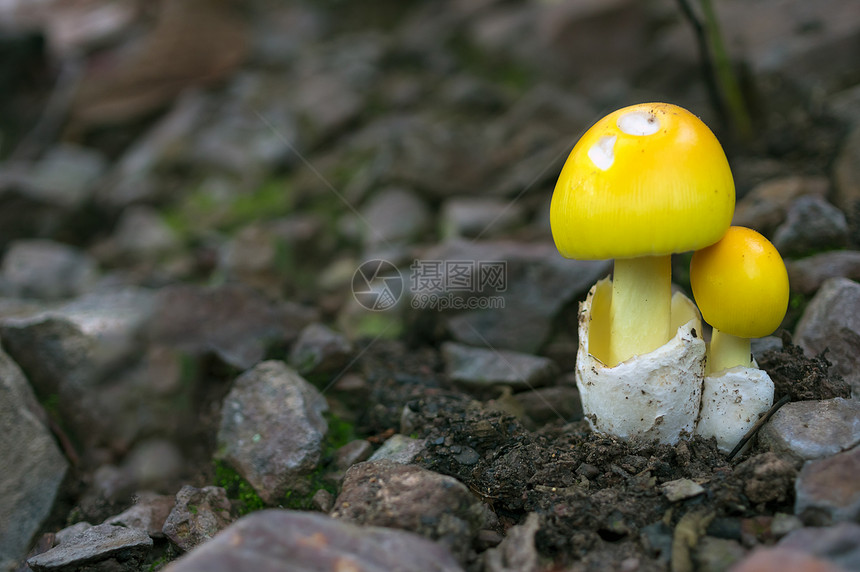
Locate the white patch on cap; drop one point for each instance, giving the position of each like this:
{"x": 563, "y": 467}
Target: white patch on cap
{"x": 602, "y": 153}
{"x": 639, "y": 123}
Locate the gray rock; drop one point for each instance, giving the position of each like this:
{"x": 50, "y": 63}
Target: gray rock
{"x": 540, "y": 36}
{"x": 717, "y": 554}
{"x": 197, "y": 516}
{"x": 844, "y": 104}
{"x": 320, "y": 349}
{"x": 528, "y": 145}
{"x": 516, "y": 312}
{"x": 250, "y": 131}
{"x": 760, "y": 345}
{"x": 325, "y": 101}
{"x": 480, "y": 368}
{"x": 398, "y": 449}
{"x": 36, "y": 202}
{"x": 827, "y": 490}
{"x": 382, "y": 493}
{"x": 839, "y": 544}
{"x": 283, "y": 32}
{"x": 142, "y": 235}
{"x": 232, "y": 321}
{"x": 65, "y": 176}
{"x": 846, "y": 173}
{"x": 811, "y": 224}
{"x": 148, "y": 513}
{"x": 272, "y": 429}
{"x": 353, "y": 452}
{"x": 832, "y": 321}
{"x": 766, "y": 205}
{"x": 71, "y": 532}
{"x": 134, "y": 178}
{"x": 267, "y": 254}
{"x": 72, "y": 353}
{"x": 781, "y": 559}
{"x": 277, "y": 540}
{"x": 47, "y": 270}
{"x": 443, "y": 157}
{"x": 783, "y": 524}
{"x": 392, "y": 216}
{"x": 93, "y": 546}
{"x": 33, "y": 465}
{"x": 153, "y": 464}
{"x": 806, "y": 275}
{"x": 436, "y": 158}
{"x": 517, "y": 552}
{"x": 475, "y": 217}
{"x": 813, "y": 429}
{"x": 322, "y": 500}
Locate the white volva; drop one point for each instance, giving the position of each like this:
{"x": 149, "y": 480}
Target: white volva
{"x": 731, "y": 403}
{"x": 653, "y": 396}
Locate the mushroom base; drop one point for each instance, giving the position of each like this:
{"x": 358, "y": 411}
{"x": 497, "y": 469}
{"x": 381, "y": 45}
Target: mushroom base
{"x": 731, "y": 403}
{"x": 650, "y": 396}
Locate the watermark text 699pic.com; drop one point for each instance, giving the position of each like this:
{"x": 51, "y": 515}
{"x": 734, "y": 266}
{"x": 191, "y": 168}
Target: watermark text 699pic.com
{"x": 433, "y": 284}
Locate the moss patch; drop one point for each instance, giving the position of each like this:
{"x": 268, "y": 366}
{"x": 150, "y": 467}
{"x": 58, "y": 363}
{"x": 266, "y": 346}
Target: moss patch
{"x": 237, "y": 488}
{"x": 204, "y": 209}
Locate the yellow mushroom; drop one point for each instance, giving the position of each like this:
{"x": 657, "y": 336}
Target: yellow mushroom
{"x": 642, "y": 183}
{"x": 741, "y": 287}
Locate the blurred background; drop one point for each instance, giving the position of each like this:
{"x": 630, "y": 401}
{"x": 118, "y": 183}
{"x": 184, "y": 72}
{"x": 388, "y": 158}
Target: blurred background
{"x": 190, "y": 186}
{"x": 282, "y": 143}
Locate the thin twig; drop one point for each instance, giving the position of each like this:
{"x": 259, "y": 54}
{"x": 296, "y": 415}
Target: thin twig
{"x": 54, "y": 114}
{"x": 708, "y": 74}
{"x": 758, "y": 425}
{"x": 733, "y": 97}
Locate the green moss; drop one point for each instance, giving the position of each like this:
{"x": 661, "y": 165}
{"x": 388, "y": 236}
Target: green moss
{"x": 203, "y": 210}
{"x": 340, "y": 432}
{"x": 376, "y": 325}
{"x": 51, "y": 404}
{"x": 237, "y": 488}
{"x": 798, "y": 301}
{"x": 167, "y": 555}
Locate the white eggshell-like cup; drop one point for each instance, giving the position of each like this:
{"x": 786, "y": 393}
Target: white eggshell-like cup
{"x": 650, "y": 396}
{"x": 732, "y": 401}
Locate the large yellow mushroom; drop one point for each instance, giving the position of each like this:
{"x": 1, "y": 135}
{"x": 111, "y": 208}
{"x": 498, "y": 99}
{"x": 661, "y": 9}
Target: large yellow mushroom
{"x": 644, "y": 182}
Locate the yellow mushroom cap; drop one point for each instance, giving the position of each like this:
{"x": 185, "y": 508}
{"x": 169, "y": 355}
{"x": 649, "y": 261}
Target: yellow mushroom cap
{"x": 646, "y": 180}
{"x": 740, "y": 284}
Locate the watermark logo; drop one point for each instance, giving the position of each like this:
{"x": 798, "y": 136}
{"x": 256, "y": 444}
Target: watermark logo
{"x": 377, "y": 285}
{"x": 434, "y": 284}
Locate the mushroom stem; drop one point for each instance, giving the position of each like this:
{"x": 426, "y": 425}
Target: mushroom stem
{"x": 727, "y": 351}
{"x": 640, "y": 310}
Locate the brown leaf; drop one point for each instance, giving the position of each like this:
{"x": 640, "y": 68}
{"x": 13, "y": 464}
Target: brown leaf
{"x": 194, "y": 42}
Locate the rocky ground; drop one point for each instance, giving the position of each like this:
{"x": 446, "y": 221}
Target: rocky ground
{"x": 198, "y": 336}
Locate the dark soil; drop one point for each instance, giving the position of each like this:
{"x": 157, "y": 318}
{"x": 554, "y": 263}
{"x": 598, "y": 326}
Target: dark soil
{"x": 800, "y": 377}
{"x": 599, "y": 498}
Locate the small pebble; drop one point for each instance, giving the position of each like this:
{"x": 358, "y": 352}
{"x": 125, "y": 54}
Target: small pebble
{"x": 681, "y": 489}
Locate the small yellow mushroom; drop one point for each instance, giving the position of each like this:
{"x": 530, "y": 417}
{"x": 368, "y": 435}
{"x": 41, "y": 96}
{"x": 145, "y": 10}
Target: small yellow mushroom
{"x": 642, "y": 183}
{"x": 741, "y": 287}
